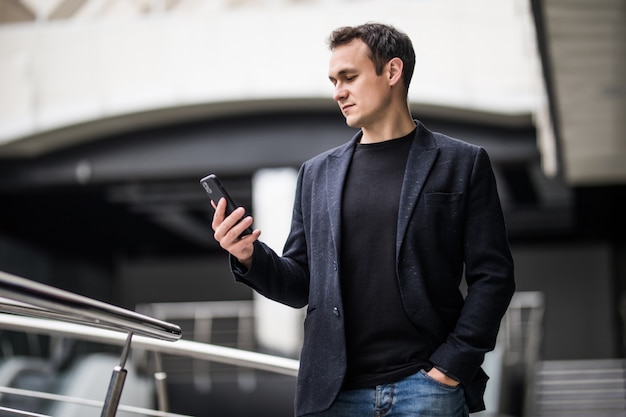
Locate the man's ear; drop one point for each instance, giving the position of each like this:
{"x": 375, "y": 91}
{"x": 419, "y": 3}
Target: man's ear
{"x": 394, "y": 68}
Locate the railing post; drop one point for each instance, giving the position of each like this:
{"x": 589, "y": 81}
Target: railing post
{"x": 116, "y": 385}
{"x": 160, "y": 378}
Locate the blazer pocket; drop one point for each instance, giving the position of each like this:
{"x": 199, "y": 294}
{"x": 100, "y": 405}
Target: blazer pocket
{"x": 442, "y": 216}
{"x": 443, "y": 197}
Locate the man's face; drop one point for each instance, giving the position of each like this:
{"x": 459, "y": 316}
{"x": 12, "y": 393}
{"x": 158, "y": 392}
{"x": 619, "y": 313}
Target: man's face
{"x": 362, "y": 95}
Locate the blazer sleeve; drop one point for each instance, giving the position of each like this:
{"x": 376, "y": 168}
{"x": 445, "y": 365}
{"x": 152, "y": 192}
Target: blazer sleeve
{"x": 284, "y": 279}
{"x": 488, "y": 273}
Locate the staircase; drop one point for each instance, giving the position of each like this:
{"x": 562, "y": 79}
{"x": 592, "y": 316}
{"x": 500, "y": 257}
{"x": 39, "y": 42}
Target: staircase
{"x": 579, "y": 388}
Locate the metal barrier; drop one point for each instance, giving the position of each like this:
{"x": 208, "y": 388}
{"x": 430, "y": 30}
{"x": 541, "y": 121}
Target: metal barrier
{"x": 29, "y": 298}
{"x": 32, "y": 307}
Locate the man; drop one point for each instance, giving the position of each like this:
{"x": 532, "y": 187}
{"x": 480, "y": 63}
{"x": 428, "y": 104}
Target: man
{"x": 383, "y": 230}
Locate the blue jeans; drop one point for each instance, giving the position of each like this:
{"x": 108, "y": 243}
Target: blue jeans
{"x": 415, "y": 396}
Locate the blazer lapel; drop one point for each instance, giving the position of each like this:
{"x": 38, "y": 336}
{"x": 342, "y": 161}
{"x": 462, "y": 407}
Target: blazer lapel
{"x": 420, "y": 161}
{"x": 336, "y": 170}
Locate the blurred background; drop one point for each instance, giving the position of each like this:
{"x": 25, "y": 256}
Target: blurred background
{"x": 112, "y": 110}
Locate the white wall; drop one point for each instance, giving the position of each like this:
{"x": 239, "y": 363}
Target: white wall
{"x": 477, "y": 55}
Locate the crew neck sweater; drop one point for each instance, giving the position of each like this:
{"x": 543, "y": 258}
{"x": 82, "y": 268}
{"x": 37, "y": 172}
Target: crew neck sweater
{"x": 383, "y": 346}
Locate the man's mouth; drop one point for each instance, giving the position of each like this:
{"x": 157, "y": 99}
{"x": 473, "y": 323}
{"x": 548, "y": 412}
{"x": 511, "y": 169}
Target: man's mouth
{"x": 346, "y": 107}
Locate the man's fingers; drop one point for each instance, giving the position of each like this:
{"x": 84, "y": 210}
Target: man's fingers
{"x": 231, "y": 221}
{"x": 218, "y": 215}
{"x": 228, "y": 229}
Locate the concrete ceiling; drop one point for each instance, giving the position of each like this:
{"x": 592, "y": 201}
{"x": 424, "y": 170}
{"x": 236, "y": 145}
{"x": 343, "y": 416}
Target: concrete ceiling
{"x": 583, "y": 43}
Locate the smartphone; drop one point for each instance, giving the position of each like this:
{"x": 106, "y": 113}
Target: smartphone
{"x": 216, "y": 190}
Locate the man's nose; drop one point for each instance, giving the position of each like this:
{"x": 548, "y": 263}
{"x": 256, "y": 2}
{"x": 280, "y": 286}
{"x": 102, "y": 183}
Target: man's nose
{"x": 340, "y": 92}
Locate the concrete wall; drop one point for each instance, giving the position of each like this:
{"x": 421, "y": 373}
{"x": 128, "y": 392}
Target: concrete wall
{"x": 577, "y": 280}
{"x": 475, "y": 55}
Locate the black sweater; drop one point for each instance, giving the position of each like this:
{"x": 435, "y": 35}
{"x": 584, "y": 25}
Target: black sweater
{"x": 382, "y": 344}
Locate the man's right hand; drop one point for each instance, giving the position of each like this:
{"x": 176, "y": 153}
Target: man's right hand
{"x": 228, "y": 230}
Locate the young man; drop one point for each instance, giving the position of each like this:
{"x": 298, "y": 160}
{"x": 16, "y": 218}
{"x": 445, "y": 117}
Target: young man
{"x": 383, "y": 230}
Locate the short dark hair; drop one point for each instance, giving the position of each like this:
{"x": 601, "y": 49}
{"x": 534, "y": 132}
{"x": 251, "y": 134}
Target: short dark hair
{"x": 385, "y": 42}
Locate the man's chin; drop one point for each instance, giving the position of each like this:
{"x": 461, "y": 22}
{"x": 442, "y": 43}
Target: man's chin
{"x": 352, "y": 122}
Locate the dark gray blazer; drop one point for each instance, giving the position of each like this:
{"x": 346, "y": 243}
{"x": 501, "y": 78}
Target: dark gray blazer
{"x": 450, "y": 221}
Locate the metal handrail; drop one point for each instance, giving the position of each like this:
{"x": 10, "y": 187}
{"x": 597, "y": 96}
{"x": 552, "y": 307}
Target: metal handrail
{"x": 29, "y": 298}
{"x": 26, "y": 297}
{"x": 33, "y": 307}
{"x": 186, "y": 348}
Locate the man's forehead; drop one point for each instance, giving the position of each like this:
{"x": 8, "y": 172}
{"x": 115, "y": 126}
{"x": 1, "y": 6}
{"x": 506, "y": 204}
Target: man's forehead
{"x": 350, "y": 55}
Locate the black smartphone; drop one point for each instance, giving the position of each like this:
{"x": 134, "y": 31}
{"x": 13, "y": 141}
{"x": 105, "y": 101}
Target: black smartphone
{"x": 214, "y": 188}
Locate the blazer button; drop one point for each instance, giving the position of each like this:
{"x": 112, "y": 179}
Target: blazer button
{"x": 336, "y": 311}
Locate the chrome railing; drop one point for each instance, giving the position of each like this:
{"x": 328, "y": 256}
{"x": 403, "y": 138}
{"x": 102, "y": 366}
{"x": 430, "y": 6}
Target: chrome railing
{"x": 32, "y": 307}
{"x": 29, "y": 298}
{"x": 187, "y": 348}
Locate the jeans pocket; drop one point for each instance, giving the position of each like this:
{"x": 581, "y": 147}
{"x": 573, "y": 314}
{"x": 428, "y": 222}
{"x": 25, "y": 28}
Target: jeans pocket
{"x": 424, "y": 373}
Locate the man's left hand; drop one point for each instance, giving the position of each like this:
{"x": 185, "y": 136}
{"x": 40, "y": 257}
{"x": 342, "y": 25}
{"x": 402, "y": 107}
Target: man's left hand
{"x": 439, "y": 376}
